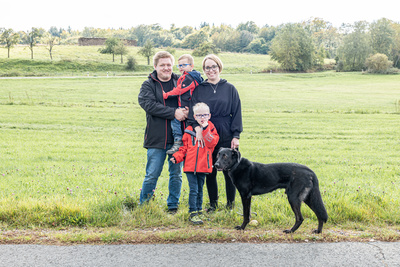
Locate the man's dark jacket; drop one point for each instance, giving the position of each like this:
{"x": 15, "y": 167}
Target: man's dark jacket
{"x": 159, "y": 112}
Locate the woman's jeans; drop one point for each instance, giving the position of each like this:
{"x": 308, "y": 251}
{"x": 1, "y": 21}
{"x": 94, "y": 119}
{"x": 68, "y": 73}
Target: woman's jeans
{"x": 155, "y": 162}
{"x": 196, "y": 182}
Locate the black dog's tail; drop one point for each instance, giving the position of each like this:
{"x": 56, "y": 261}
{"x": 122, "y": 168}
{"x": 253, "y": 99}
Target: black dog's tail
{"x": 314, "y": 201}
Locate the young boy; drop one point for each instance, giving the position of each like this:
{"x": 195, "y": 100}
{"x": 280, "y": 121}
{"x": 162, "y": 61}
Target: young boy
{"x": 186, "y": 84}
{"x": 198, "y": 160}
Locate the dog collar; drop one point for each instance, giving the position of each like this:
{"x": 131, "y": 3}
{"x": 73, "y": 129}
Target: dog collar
{"x": 234, "y": 166}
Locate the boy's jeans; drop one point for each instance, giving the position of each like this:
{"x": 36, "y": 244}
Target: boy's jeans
{"x": 155, "y": 162}
{"x": 196, "y": 182}
{"x": 176, "y": 127}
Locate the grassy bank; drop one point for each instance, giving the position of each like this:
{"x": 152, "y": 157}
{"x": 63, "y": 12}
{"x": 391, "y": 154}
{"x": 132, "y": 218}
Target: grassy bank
{"x": 78, "y": 61}
{"x": 71, "y": 158}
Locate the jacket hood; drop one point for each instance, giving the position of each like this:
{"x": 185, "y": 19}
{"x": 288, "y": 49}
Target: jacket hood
{"x": 197, "y": 76}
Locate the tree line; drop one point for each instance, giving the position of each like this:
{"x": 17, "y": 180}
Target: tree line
{"x": 296, "y": 46}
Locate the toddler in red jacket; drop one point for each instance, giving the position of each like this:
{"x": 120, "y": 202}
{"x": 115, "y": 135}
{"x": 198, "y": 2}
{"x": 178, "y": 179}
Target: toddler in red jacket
{"x": 198, "y": 160}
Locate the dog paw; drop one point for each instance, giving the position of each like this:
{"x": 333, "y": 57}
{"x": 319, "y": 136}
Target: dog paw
{"x": 239, "y": 227}
{"x": 288, "y": 231}
{"x": 316, "y": 231}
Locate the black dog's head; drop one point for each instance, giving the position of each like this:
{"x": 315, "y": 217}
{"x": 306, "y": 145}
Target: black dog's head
{"x": 226, "y": 159}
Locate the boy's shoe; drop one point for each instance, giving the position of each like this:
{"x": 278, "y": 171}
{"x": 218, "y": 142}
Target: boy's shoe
{"x": 195, "y": 219}
{"x": 175, "y": 147}
{"x": 202, "y": 216}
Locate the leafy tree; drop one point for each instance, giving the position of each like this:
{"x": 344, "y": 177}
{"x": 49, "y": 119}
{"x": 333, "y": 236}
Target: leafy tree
{"x": 267, "y": 34}
{"x": 54, "y": 31}
{"x": 249, "y": 26}
{"x": 50, "y": 41}
{"x": 32, "y": 37}
{"x": 147, "y": 51}
{"x": 162, "y": 38}
{"x": 110, "y": 45}
{"x": 141, "y": 33}
{"x": 292, "y": 47}
{"x": 323, "y": 34}
{"x": 378, "y": 63}
{"x": 245, "y": 38}
{"x": 195, "y": 39}
{"x": 355, "y": 48}
{"x": 332, "y": 40}
{"x": 231, "y": 40}
{"x": 258, "y": 46}
{"x": 382, "y": 36}
{"x": 222, "y": 37}
{"x": 120, "y": 49}
{"x": 395, "y": 51}
{"x": 205, "y": 49}
{"x": 9, "y": 38}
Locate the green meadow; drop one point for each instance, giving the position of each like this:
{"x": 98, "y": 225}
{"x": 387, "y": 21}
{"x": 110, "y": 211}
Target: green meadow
{"x": 72, "y": 161}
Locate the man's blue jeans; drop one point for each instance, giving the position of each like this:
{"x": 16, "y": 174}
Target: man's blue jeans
{"x": 155, "y": 162}
{"x": 196, "y": 182}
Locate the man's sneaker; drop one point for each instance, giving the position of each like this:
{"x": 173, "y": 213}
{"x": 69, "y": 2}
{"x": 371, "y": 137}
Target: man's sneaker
{"x": 195, "y": 219}
{"x": 175, "y": 147}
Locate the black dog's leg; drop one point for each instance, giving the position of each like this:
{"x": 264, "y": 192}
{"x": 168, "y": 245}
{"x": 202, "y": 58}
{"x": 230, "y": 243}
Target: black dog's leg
{"x": 317, "y": 206}
{"x": 320, "y": 225}
{"x": 296, "y": 205}
{"x": 246, "y": 202}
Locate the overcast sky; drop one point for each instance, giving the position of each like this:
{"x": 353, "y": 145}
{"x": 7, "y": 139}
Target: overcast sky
{"x": 24, "y": 14}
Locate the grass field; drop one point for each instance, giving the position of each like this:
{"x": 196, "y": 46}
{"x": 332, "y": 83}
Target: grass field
{"x": 72, "y": 162}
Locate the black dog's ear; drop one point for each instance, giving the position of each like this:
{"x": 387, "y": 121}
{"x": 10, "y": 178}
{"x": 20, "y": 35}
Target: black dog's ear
{"x": 236, "y": 154}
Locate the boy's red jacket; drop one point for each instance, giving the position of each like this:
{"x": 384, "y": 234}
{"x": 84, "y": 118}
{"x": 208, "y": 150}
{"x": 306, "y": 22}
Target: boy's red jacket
{"x": 197, "y": 159}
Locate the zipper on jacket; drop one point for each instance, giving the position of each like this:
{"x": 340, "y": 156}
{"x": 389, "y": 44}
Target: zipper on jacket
{"x": 166, "y": 121}
{"x": 197, "y": 157}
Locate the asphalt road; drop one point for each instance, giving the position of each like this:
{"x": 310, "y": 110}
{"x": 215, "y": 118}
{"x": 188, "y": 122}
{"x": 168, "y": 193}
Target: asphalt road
{"x": 233, "y": 254}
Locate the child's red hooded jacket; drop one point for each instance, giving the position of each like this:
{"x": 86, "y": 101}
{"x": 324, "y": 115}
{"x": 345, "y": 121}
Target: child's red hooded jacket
{"x": 197, "y": 159}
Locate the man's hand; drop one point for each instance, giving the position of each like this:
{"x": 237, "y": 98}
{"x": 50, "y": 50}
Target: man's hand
{"x": 199, "y": 136}
{"x": 181, "y": 114}
{"x": 235, "y": 143}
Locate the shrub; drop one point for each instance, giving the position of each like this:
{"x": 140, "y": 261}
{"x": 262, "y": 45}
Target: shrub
{"x": 131, "y": 64}
{"x": 378, "y": 63}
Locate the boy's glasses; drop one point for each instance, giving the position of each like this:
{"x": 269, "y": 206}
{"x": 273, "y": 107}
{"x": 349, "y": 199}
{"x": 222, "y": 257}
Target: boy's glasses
{"x": 182, "y": 65}
{"x": 213, "y": 67}
{"x": 202, "y": 116}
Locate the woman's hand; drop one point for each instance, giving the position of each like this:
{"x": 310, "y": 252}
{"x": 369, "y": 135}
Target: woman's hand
{"x": 199, "y": 136}
{"x": 234, "y": 143}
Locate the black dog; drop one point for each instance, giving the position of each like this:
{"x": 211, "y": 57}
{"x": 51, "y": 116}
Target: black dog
{"x": 252, "y": 178}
